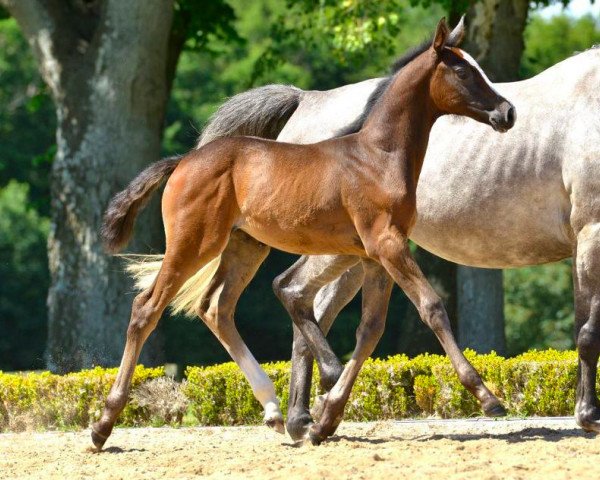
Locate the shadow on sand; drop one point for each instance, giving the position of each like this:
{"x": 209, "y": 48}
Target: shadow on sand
{"x": 518, "y": 436}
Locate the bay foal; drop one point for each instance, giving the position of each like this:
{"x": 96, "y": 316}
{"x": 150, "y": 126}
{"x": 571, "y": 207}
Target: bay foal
{"x": 351, "y": 195}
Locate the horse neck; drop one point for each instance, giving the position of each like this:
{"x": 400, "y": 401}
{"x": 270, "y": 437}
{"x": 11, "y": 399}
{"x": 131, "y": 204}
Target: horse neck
{"x": 400, "y": 123}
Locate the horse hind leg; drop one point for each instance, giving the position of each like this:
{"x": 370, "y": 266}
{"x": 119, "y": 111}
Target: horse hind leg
{"x": 239, "y": 263}
{"x": 330, "y": 300}
{"x": 586, "y": 276}
{"x": 297, "y": 288}
{"x": 185, "y": 255}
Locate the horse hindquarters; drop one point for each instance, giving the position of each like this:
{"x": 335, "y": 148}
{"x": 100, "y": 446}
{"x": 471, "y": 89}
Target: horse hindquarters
{"x": 197, "y": 227}
{"x": 586, "y": 278}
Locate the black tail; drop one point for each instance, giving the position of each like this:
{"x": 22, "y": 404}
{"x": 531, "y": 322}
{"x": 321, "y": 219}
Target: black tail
{"x": 120, "y": 215}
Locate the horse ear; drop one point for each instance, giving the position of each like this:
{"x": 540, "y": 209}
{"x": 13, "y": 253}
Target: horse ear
{"x": 457, "y": 35}
{"x": 441, "y": 35}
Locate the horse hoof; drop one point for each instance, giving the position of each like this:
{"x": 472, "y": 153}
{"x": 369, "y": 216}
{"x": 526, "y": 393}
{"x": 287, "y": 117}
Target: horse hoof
{"x": 314, "y": 435}
{"x": 496, "y": 410}
{"x": 318, "y": 407}
{"x": 98, "y": 439}
{"x": 276, "y": 424}
{"x": 588, "y": 418}
{"x": 298, "y": 424}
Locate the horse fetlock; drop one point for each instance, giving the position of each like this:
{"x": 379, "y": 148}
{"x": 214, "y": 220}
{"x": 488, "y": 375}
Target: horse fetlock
{"x": 274, "y": 418}
{"x": 298, "y": 424}
{"x": 588, "y": 417}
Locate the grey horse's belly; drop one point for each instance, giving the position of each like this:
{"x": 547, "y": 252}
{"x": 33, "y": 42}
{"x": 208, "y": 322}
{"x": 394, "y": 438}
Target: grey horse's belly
{"x": 501, "y": 240}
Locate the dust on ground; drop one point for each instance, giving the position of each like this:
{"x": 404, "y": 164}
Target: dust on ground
{"x": 524, "y": 449}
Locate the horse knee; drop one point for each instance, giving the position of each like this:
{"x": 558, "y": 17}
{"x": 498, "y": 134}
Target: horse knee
{"x": 295, "y": 302}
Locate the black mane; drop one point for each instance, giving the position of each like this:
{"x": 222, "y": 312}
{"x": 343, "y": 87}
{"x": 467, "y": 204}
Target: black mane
{"x": 382, "y": 86}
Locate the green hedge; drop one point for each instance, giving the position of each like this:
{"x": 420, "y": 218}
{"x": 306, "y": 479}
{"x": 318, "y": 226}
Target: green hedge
{"x": 535, "y": 383}
{"x": 47, "y": 401}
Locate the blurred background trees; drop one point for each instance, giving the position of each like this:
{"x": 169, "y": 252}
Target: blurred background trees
{"x": 214, "y": 53}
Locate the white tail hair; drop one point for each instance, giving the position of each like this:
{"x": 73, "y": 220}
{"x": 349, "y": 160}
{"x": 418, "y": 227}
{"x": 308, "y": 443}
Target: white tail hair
{"x": 144, "y": 269}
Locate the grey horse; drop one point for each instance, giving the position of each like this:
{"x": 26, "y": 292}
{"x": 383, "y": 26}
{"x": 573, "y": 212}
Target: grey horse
{"x": 526, "y": 197}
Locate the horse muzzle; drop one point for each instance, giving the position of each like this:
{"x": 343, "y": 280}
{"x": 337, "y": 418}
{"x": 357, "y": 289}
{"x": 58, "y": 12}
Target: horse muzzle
{"x": 503, "y": 118}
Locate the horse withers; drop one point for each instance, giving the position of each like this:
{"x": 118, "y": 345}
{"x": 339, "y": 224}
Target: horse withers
{"x": 352, "y": 195}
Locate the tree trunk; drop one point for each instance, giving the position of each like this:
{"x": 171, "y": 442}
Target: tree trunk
{"x": 105, "y": 62}
{"x": 495, "y": 39}
{"x": 495, "y": 36}
{"x": 481, "y": 310}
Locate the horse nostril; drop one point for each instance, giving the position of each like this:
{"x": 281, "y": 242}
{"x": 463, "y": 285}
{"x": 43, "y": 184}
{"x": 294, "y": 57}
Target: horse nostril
{"x": 511, "y": 115}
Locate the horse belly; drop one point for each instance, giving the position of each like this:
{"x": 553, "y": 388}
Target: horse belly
{"x": 322, "y": 239}
{"x": 506, "y": 229}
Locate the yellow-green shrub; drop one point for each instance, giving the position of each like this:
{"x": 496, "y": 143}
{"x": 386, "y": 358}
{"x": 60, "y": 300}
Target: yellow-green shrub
{"x": 45, "y": 400}
{"x": 540, "y": 383}
{"x": 535, "y": 383}
{"x": 221, "y": 395}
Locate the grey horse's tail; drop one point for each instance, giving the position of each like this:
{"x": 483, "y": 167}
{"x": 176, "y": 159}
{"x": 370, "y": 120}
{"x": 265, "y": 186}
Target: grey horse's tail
{"x": 260, "y": 112}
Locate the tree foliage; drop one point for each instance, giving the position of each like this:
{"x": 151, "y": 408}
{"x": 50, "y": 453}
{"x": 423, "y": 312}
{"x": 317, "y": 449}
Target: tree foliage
{"x": 548, "y": 41}
{"x": 539, "y": 307}
{"x": 23, "y": 274}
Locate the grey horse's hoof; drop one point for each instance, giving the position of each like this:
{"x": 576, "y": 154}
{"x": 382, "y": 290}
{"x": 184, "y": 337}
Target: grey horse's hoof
{"x": 588, "y": 418}
{"x": 276, "y": 424}
{"x": 298, "y": 424}
{"x": 495, "y": 410}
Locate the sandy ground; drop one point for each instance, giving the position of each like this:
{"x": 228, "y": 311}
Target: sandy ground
{"x": 483, "y": 449}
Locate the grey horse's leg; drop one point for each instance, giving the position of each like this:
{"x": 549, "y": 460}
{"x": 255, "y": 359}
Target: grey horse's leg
{"x": 586, "y": 277}
{"x": 297, "y": 288}
{"x": 329, "y": 301}
{"x": 377, "y": 289}
{"x": 239, "y": 263}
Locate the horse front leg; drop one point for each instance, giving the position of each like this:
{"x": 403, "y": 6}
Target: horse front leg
{"x": 239, "y": 264}
{"x": 377, "y": 289}
{"x": 329, "y": 301}
{"x": 394, "y": 254}
{"x": 586, "y": 279}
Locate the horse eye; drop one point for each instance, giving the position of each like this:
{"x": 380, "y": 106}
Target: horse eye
{"x": 462, "y": 73}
